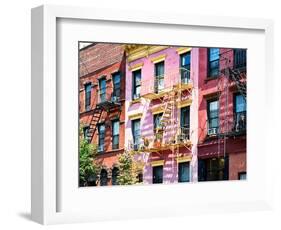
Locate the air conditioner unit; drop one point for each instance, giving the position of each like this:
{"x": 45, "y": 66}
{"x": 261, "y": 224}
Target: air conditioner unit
{"x": 136, "y": 96}
{"x": 114, "y": 98}
{"x": 212, "y": 131}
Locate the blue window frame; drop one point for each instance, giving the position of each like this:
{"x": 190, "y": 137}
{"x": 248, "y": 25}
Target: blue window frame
{"x": 159, "y": 77}
{"x": 213, "y": 62}
{"x": 185, "y": 67}
{"x": 101, "y": 130}
{"x": 136, "y": 84}
{"x": 136, "y": 133}
{"x": 116, "y": 84}
{"x": 88, "y": 89}
{"x": 115, "y": 134}
{"x": 102, "y": 86}
{"x": 183, "y": 172}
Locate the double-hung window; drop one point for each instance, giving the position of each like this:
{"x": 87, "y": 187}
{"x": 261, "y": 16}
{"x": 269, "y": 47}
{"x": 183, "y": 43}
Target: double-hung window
{"x": 115, "y": 134}
{"x": 86, "y": 133}
{"x": 185, "y": 67}
{"x": 88, "y": 90}
{"x": 157, "y": 174}
{"x": 101, "y": 130}
{"x": 183, "y": 172}
{"x": 102, "y": 85}
{"x": 213, "y": 117}
{"x": 159, "y": 77}
{"x": 185, "y": 122}
{"x": 213, "y": 62}
{"x": 116, "y": 85}
{"x": 239, "y": 113}
{"x": 240, "y": 58}
{"x": 157, "y": 119}
{"x": 136, "y": 133}
{"x": 136, "y": 84}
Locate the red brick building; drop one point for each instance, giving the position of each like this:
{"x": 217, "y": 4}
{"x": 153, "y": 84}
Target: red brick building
{"x": 222, "y": 114}
{"x": 102, "y": 104}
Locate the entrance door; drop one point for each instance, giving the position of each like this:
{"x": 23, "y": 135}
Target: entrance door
{"x": 157, "y": 174}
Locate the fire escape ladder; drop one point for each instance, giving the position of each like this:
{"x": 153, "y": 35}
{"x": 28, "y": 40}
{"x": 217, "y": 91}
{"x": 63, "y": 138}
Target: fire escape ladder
{"x": 237, "y": 77}
{"x": 97, "y": 112}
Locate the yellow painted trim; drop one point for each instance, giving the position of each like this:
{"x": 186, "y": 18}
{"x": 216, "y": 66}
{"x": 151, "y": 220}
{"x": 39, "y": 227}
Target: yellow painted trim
{"x": 140, "y": 51}
{"x": 158, "y": 58}
{"x": 157, "y": 163}
{"x": 182, "y": 50}
{"x": 158, "y": 109}
{"x": 184, "y": 103}
{"x": 184, "y": 159}
{"x": 135, "y": 116}
{"x": 136, "y": 67}
{"x": 135, "y": 101}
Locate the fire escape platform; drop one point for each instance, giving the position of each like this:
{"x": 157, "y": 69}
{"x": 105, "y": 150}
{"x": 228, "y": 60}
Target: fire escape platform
{"x": 108, "y": 104}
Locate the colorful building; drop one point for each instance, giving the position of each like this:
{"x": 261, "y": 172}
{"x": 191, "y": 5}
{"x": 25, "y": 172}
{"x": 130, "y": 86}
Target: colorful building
{"x": 222, "y": 114}
{"x": 161, "y": 111}
{"x": 180, "y": 110}
{"x": 102, "y": 104}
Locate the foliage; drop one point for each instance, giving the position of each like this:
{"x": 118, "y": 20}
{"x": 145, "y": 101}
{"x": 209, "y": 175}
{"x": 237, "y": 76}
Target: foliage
{"x": 88, "y": 168}
{"x": 127, "y": 169}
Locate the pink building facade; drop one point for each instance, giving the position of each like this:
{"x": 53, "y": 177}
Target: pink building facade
{"x": 161, "y": 91}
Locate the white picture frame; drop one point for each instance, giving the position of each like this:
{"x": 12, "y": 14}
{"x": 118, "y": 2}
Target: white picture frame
{"x": 46, "y": 197}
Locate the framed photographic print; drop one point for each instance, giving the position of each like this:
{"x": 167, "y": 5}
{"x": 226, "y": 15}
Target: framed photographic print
{"x": 140, "y": 115}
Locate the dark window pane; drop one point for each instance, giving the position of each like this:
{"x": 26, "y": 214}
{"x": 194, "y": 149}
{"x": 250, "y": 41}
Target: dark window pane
{"x": 157, "y": 175}
{"x": 136, "y": 133}
{"x": 213, "y": 62}
{"x": 115, "y": 172}
{"x": 116, "y": 85}
{"x": 136, "y": 84}
{"x": 240, "y": 58}
{"x": 183, "y": 172}
{"x": 86, "y": 133}
{"x": 101, "y": 130}
{"x": 103, "y": 177}
{"x": 159, "y": 77}
{"x": 88, "y": 88}
{"x": 213, "y": 116}
{"x": 185, "y": 67}
{"x": 115, "y": 134}
{"x": 102, "y": 83}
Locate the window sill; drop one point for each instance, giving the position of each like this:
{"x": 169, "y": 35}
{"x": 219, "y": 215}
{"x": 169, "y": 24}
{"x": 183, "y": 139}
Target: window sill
{"x": 135, "y": 101}
{"x": 210, "y": 79}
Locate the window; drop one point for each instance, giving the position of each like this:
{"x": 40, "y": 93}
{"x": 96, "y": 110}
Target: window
{"x": 213, "y": 169}
{"x": 115, "y": 134}
{"x": 136, "y": 133}
{"x": 102, "y": 85}
{"x": 115, "y": 172}
{"x": 103, "y": 177}
{"x": 116, "y": 85}
{"x": 183, "y": 172}
{"x": 157, "y": 118}
{"x": 185, "y": 67}
{"x": 213, "y": 117}
{"x": 240, "y": 58}
{"x": 239, "y": 113}
{"x": 213, "y": 62}
{"x": 140, "y": 177}
{"x": 157, "y": 174}
{"x": 86, "y": 133}
{"x": 88, "y": 88}
{"x": 185, "y": 123}
{"x": 159, "y": 77}
{"x": 101, "y": 130}
{"x": 136, "y": 84}
{"x": 242, "y": 176}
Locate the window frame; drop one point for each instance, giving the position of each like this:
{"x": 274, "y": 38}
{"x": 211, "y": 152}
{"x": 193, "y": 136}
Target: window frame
{"x": 101, "y": 99}
{"x": 134, "y": 84}
{"x": 100, "y": 137}
{"x": 115, "y": 88}
{"x": 136, "y": 145}
{"x": 183, "y": 66}
{"x": 208, "y": 113}
{"x": 185, "y": 130}
{"x": 88, "y": 95}
{"x": 209, "y": 69}
{"x": 180, "y": 180}
{"x": 154, "y": 181}
{"x": 115, "y": 145}
{"x": 86, "y": 137}
{"x": 159, "y": 79}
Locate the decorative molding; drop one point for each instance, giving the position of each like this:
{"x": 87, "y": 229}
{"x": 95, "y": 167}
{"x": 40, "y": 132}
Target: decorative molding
{"x": 158, "y": 109}
{"x": 184, "y": 103}
{"x": 158, "y": 58}
{"x": 135, "y": 101}
{"x": 184, "y": 159}
{"x": 135, "y": 116}
{"x": 135, "y": 52}
{"x": 136, "y": 67}
{"x": 182, "y": 50}
{"x": 157, "y": 163}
